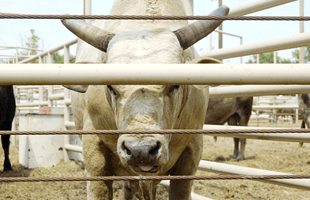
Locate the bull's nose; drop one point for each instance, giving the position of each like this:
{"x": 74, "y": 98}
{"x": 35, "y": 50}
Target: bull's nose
{"x": 141, "y": 153}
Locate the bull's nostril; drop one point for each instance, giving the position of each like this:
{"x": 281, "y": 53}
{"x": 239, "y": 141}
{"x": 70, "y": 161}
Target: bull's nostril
{"x": 155, "y": 150}
{"x": 126, "y": 149}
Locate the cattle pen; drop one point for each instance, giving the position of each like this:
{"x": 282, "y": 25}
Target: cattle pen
{"x": 33, "y": 97}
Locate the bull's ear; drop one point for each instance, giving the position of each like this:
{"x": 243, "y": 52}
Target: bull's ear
{"x": 77, "y": 88}
{"x": 204, "y": 60}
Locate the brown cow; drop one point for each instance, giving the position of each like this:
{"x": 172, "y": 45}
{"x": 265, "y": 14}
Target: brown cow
{"x": 234, "y": 111}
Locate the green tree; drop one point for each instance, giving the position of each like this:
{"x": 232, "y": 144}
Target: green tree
{"x": 32, "y": 42}
{"x": 60, "y": 58}
{"x": 264, "y": 58}
{"x": 295, "y": 54}
{"x": 268, "y": 58}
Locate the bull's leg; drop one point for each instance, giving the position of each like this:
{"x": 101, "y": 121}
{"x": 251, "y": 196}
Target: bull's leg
{"x": 233, "y": 121}
{"x": 242, "y": 148}
{"x": 187, "y": 164}
{"x": 303, "y": 125}
{"x": 128, "y": 194}
{"x": 243, "y": 122}
{"x": 142, "y": 190}
{"x": 236, "y": 148}
{"x": 5, "y": 139}
{"x": 97, "y": 159}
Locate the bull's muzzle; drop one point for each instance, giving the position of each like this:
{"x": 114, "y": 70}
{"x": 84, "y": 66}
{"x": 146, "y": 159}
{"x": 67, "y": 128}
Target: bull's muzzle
{"x": 143, "y": 155}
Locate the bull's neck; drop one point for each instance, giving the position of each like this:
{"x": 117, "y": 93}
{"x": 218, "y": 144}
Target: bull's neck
{"x": 148, "y": 7}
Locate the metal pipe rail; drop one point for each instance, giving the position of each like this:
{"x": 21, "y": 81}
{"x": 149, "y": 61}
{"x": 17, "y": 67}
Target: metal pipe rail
{"x": 255, "y": 6}
{"x": 129, "y": 74}
{"x": 256, "y": 90}
{"x": 262, "y": 107}
{"x": 233, "y": 169}
{"x": 288, "y": 42}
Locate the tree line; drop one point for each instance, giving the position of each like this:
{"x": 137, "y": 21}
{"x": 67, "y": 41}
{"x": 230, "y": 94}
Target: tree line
{"x": 269, "y": 57}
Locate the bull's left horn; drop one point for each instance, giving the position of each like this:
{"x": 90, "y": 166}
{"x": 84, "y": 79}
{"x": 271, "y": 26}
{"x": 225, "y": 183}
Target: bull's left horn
{"x": 89, "y": 33}
{"x": 194, "y": 32}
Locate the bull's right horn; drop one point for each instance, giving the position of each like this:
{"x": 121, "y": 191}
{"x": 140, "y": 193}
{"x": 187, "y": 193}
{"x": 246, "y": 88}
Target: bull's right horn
{"x": 194, "y": 32}
{"x": 89, "y": 33}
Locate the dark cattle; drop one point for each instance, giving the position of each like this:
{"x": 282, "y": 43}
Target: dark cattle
{"x": 304, "y": 110}
{"x": 234, "y": 111}
{"x": 7, "y": 113}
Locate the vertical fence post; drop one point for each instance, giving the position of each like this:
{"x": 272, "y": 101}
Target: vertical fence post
{"x": 275, "y": 57}
{"x": 41, "y": 89}
{"x": 257, "y": 58}
{"x": 16, "y": 56}
{"x": 301, "y": 30}
{"x": 40, "y": 60}
{"x": 241, "y": 60}
{"x": 66, "y": 107}
{"x": 274, "y": 112}
{"x": 297, "y": 110}
{"x": 49, "y": 88}
{"x": 210, "y": 41}
{"x": 13, "y": 137}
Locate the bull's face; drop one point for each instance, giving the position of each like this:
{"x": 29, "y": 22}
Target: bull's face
{"x": 145, "y": 108}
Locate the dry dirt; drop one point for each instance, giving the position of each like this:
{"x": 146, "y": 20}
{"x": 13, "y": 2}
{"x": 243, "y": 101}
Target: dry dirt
{"x": 276, "y": 156}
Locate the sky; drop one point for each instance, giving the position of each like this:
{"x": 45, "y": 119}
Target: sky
{"x": 14, "y": 32}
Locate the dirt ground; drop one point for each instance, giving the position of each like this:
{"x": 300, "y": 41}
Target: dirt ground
{"x": 276, "y": 156}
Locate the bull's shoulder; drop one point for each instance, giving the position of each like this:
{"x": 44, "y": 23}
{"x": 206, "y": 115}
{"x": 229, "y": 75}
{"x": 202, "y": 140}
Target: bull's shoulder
{"x": 97, "y": 107}
{"x": 194, "y": 108}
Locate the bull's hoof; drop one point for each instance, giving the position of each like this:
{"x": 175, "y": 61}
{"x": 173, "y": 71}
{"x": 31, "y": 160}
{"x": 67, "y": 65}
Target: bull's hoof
{"x": 240, "y": 158}
{"x": 234, "y": 156}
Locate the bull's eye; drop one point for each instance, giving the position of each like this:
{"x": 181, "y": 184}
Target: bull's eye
{"x": 173, "y": 88}
{"x": 112, "y": 90}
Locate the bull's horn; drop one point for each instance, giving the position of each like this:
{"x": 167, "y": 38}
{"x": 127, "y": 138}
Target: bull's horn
{"x": 89, "y": 33}
{"x": 194, "y": 32}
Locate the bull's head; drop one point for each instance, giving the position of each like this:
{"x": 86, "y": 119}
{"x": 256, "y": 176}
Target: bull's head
{"x": 151, "y": 107}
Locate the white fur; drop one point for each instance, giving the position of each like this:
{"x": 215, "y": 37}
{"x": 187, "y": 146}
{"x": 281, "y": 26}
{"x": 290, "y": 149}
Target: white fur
{"x": 145, "y": 47}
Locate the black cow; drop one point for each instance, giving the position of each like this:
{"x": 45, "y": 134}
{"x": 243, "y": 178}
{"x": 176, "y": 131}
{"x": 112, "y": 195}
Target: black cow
{"x": 7, "y": 113}
{"x": 234, "y": 111}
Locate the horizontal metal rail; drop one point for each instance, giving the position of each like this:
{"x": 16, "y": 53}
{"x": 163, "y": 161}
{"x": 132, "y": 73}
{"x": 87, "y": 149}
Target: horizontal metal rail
{"x": 244, "y": 171}
{"x": 255, "y": 6}
{"x": 256, "y": 90}
{"x": 137, "y": 178}
{"x": 288, "y": 42}
{"x": 262, "y": 107}
{"x": 129, "y": 74}
{"x": 17, "y": 47}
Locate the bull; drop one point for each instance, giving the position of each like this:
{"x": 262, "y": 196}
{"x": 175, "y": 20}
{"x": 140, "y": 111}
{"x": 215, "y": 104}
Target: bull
{"x": 141, "y": 107}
